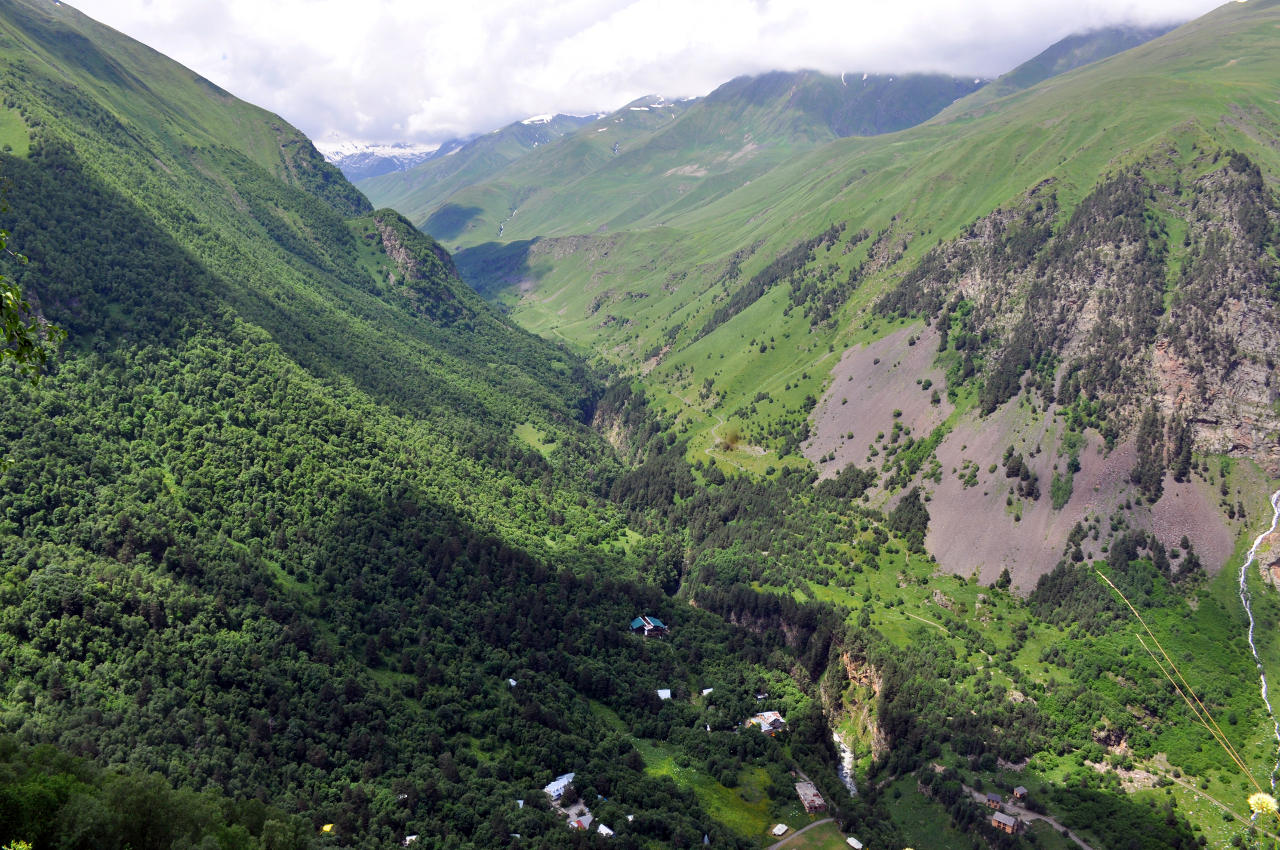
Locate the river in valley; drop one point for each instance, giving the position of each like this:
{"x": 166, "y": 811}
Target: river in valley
{"x": 1248, "y": 609}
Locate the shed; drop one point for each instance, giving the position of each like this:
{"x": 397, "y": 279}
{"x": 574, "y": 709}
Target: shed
{"x": 853, "y": 842}
{"x": 1020, "y": 793}
{"x": 780, "y": 829}
{"x": 664, "y": 693}
{"x": 604, "y": 830}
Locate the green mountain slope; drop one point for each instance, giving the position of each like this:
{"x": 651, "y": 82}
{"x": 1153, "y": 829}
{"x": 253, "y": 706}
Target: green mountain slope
{"x": 295, "y": 504}
{"x": 1058, "y": 58}
{"x": 652, "y": 158}
{"x": 421, "y": 192}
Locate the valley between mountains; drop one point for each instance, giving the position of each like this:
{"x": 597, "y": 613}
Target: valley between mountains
{"x": 886, "y": 458}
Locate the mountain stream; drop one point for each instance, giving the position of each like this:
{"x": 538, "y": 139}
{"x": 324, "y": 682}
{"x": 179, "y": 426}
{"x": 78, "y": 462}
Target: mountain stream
{"x": 1244, "y": 599}
{"x": 845, "y": 768}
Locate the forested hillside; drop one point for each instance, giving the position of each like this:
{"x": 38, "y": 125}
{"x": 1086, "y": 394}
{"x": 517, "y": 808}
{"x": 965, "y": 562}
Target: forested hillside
{"x": 294, "y": 504}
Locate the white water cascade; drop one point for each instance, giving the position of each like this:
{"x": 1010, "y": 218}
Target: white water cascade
{"x": 845, "y": 768}
{"x": 1244, "y": 600}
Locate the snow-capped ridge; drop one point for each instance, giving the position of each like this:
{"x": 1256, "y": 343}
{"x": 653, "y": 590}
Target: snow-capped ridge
{"x": 333, "y": 151}
{"x": 357, "y": 159}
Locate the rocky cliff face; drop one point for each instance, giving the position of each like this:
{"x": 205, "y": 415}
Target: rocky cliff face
{"x": 1162, "y": 286}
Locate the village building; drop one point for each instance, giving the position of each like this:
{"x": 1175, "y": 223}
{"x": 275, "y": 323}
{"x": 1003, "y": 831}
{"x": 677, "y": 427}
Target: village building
{"x": 555, "y": 789}
{"x": 810, "y": 798}
{"x": 770, "y": 722}
{"x": 779, "y": 830}
{"x": 664, "y": 693}
{"x": 993, "y": 801}
{"x": 583, "y": 822}
{"x": 1020, "y": 793}
{"x": 649, "y": 626}
{"x": 1008, "y": 823}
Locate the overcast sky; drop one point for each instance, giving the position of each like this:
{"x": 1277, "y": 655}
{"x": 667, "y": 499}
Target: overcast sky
{"x": 426, "y": 70}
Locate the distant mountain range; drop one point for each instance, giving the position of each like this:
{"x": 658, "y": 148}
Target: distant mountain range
{"x": 358, "y": 160}
{"x": 770, "y": 115}
{"x": 363, "y": 161}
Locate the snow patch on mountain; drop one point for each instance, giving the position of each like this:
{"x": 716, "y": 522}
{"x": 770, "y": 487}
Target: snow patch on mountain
{"x": 359, "y": 160}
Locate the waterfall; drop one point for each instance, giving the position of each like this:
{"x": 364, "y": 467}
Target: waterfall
{"x": 1244, "y": 600}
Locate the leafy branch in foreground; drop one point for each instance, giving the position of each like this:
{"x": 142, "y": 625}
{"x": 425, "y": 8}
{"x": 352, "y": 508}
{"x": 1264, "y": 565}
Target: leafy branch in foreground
{"x": 25, "y": 337}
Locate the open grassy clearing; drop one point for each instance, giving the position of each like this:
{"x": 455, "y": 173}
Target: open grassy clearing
{"x": 923, "y": 822}
{"x": 825, "y": 836}
{"x": 746, "y": 809}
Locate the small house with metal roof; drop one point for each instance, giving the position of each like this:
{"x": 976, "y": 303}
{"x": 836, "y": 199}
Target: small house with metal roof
{"x": 649, "y": 626}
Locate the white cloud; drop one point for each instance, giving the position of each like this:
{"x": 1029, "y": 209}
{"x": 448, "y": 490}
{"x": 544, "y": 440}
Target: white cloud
{"x": 393, "y": 70}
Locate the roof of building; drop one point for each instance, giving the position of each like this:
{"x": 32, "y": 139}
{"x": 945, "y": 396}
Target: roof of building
{"x": 767, "y": 720}
{"x": 1007, "y": 820}
{"x": 604, "y": 830}
{"x": 780, "y": 829}
{"x": 583, "y": 822}
{"x": 809, "y": 794}
{"x": 853, "y": 842}
{"x": 556, "y": 786}
{"x": 644, "y": 621}
{"x": 664, "y": 693}
{"x": 993, "y": 797}
{"x": 1021, "y": 791}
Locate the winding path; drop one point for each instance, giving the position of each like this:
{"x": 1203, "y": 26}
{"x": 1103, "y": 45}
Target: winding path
{"x": 1027, "y": 815}
{"x": 778, "y": 844}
